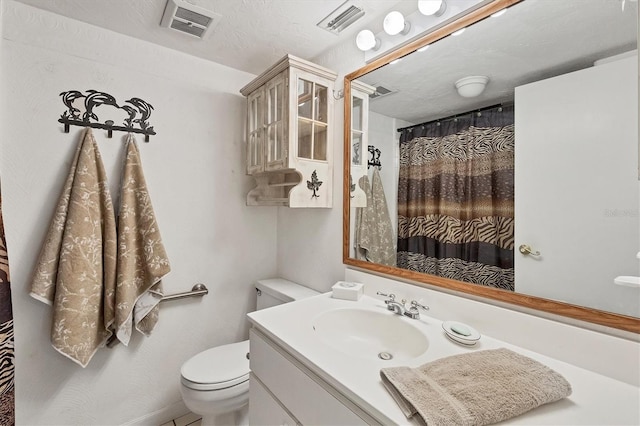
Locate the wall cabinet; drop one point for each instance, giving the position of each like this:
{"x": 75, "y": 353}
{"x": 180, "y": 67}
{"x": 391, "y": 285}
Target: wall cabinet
{"x": 290, "y": 135}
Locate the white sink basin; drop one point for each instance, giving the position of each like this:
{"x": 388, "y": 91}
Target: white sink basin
{"x": 370, "y": 334}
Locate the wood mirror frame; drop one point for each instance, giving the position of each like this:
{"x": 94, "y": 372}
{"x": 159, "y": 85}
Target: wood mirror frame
{"x": 595, "y": 316}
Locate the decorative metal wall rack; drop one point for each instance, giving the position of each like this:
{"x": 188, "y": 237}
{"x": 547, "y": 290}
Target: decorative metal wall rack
{"x": 136, "y": 113}
{"x": 374, "y": 160}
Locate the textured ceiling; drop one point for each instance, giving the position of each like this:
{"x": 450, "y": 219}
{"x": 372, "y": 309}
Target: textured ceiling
{"x": 535, "y": 39}
{"x": 252, "y": 35}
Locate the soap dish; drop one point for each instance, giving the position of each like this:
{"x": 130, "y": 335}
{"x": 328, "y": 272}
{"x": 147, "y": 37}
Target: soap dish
{"x": 461, "y": 333}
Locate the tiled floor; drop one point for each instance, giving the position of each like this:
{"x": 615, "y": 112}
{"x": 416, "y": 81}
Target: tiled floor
{"x": 186, "y": 420}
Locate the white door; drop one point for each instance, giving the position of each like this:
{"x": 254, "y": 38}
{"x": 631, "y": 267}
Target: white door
{"x": 577, "y": 188}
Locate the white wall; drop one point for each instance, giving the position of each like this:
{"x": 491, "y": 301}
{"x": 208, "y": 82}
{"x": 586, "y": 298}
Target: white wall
{"x": 194, "y": 168}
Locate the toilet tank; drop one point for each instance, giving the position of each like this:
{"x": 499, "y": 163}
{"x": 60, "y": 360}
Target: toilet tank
{"x": 276, "y": 291}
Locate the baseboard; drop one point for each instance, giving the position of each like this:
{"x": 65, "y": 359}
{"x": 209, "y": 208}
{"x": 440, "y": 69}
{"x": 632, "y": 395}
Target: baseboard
{"x": 160, "y": 417}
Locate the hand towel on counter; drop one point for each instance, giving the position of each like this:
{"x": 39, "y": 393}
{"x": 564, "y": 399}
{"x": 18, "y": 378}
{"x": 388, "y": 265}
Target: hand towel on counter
{"x": 142, "y": 260}
{"x": 76, "y": 270}
{"x": 374, "y": 232}
{"x": 477, "y": 388}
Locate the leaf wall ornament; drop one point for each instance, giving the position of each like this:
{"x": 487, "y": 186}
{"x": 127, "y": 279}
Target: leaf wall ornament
{"x": 314, "y": 184}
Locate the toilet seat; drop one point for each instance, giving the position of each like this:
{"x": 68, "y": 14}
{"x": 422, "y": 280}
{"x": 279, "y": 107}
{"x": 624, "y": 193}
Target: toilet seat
{"x": 217, "y": 368}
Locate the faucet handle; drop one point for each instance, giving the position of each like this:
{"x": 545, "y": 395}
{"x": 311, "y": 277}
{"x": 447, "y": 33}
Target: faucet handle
{"x": 391, "y": 296}
{"x": 416, "y": 305}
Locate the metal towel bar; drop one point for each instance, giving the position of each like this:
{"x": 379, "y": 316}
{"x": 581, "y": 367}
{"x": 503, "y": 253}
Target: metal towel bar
{"x": 198, "y": 290}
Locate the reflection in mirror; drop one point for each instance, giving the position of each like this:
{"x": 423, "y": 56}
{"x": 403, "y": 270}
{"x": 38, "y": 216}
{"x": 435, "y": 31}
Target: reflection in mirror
{"x": 509, "y": 160}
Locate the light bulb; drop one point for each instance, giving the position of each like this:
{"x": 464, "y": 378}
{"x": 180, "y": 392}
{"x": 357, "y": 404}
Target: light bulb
{"x": 394, "y": 23}
{"x": 366, "y": 40}
{"x": 460, "y": 31}
{"x": 432, "y": 7}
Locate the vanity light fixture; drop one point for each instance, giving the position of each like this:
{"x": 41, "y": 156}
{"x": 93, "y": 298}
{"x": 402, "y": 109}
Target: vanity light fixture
{"x": 366, "y": 40}
{"x": 472, "y": 86}
{"x": 432, "y": 7}
{"x": 394, "y": 23}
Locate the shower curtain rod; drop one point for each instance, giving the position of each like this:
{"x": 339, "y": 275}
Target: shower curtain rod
{"x": 453, "y": 117}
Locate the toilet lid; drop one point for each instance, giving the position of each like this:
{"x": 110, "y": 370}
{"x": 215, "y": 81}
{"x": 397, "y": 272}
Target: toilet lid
{"x": 217, "y": 368}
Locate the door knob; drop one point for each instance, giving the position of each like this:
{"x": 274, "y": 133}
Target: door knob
{"x": 527, "y": 250}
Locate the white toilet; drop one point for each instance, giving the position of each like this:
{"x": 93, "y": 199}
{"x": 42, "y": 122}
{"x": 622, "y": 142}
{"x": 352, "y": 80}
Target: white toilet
{"x": 215, "y": 382}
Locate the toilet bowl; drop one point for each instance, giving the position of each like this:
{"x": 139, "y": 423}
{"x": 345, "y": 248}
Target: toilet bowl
{"x": 215, "y": 382}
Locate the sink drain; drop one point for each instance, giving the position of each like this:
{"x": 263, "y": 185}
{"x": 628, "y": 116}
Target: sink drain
{"x": 385, "y": 356}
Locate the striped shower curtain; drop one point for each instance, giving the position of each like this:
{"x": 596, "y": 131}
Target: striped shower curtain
{"x": 7, "y": 400}
{"x": 455, "y": 198}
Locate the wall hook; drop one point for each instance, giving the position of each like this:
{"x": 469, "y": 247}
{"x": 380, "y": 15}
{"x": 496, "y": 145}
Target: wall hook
{"x": 527, "y": 250}
{"x": 136, "y": 112}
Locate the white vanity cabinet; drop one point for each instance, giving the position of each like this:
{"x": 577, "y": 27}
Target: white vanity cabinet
{"x": 289, "y": 136}
{"x": 284, "y": 391}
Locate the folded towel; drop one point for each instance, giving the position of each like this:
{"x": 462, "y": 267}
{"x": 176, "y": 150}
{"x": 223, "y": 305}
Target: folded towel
{"x": 374, "y": 237}
{"x": 477, "y": 388}
{"x": 75, "y": 272}
{"x": 142, "y": 260}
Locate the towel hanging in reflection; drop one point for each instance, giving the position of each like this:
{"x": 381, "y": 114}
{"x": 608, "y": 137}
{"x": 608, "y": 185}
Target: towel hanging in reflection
{"x": 142, "y": 260}
{"x": 76, "y": 269}
{"x": 374, "y": 232}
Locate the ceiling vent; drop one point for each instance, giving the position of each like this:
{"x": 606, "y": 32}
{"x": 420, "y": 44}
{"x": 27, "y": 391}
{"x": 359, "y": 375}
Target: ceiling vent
{"x": 190, "y": 19}
{"x": 342, "y": 17}
{"x": 380, "y": 92}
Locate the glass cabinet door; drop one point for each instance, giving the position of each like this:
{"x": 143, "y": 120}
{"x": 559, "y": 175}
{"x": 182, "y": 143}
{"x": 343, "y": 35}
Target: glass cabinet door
{"x": 359, "y": 132}
{"x": 255, "y": 150}
{"x": 358, "y": 146}
{"x": 312, "y": 120}
{"x": 275, "y": 117}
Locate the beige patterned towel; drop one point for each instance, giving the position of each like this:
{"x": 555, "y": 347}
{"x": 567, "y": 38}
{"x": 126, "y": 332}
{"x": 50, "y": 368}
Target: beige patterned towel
{"x": 75, "y": 272}
{"x": 142, "y": 260}
{"x": 477, "y": 388}
{"x": 374, "y": 237}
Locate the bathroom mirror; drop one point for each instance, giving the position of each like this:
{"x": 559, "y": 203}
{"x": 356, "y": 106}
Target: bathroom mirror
{"x": 567, "y": 73}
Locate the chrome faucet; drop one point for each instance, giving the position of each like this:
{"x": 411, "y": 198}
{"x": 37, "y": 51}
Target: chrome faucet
{"x": 399, "y": 307}
{"x": 413, "y": 311}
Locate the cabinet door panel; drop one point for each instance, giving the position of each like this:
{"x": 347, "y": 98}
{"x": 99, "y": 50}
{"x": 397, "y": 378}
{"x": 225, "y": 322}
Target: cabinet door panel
{"x": 264, "y": 409}
{"x": 275, "y": 119}
{"x": 303, "y": 397}
{"x": 255, "y": 132}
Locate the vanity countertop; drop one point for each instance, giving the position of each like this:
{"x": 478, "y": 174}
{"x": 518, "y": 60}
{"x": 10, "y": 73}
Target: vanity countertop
{"x": 596, "y": 399}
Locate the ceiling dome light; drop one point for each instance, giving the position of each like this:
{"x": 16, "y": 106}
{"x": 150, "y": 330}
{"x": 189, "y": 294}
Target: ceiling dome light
{"x": 366, "y": 40}
{"x": 432, "y": 7}
{"x": 472, "y": 86}
{"x": 394, "y": 23}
